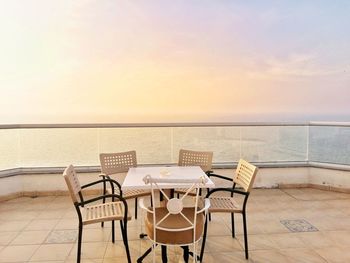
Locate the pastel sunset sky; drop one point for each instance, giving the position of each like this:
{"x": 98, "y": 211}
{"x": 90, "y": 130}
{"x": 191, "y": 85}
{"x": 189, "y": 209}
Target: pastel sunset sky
{"x": 174, "y": 61}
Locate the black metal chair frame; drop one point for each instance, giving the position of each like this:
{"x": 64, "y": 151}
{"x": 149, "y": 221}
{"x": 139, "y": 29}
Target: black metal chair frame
{"x": 123, "y": 223}
{"x": 232, "y": 191}
{"x": 104, "y": 176}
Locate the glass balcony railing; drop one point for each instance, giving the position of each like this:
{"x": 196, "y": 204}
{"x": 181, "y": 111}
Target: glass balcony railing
{"x": 59, "y": 145}
{"x": 329, "y": 144}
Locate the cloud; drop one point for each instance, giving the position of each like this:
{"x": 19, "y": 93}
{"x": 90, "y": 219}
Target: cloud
{"x": 294, "y": 65}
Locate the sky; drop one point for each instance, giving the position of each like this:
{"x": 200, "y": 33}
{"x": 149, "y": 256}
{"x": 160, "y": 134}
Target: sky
{"x": 174, "y": 61}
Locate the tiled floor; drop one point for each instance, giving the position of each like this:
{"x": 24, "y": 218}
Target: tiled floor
{"x": 291, "y": 225}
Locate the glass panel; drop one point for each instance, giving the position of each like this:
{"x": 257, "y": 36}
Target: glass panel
{"x": 152, "y": 145}
{"x": 223, "y": 141}
{"x": 58, "y": 147}
{"x": 274, "y": 143}
{"x": 330, "y": 144}
{"x": 9, "y": 149}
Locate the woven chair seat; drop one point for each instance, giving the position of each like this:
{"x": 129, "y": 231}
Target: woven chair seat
{"x": 224, "y": 204}
{"x": 103, "y": 212}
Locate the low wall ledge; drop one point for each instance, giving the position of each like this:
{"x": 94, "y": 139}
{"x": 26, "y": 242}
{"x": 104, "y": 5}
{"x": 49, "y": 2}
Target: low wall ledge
{"x": 96, "y": 168}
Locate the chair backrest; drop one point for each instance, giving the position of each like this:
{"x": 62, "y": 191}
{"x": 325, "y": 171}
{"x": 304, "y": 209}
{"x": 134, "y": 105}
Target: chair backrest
{"x": 245, "y": 175}
{"x": 175, "y": 206}
{"x": 196, "y": 158}
{"x": 112, "y": 163}
{"x": 72, "y": 181}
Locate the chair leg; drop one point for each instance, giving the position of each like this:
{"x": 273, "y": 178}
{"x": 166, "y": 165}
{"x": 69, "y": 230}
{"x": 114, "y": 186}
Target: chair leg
{"x": 103, "y": 199}
{"x": 123, "y": 227}
{"x": 209, "y": 216}
{"x": 245, "y": 235}
{"x": 186, "y": 253}
{"x": 113, "y": 232}
{"x": 164, "y": 254}
{"x": 80, "y": 234}
{"x": 233, "y": 224}
{"x": 203, "y": 240}
{"x": 136, "y": 208}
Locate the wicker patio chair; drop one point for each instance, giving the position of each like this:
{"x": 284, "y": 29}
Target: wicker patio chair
{"x": 115, "y": 163}
{"x": 116, "y": 210}
{"x": 244, "y": 177}
{"x": 195, "y": 158}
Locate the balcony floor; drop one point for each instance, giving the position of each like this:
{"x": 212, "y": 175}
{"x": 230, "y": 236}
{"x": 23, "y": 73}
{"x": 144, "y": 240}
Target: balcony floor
{"x": 44, "y": 229}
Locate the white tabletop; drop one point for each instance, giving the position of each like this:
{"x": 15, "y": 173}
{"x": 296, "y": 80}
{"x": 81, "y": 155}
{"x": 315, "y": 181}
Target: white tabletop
{"x": 133, "y": 179}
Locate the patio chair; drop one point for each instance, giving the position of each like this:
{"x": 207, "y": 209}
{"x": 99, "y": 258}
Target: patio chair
{"x": 96, "y": 213}
{"x": 195, "y": 158}
{"x": 180, "y": 222}
{"x": 244, "y": 177}
{"x": 115, "y": 163}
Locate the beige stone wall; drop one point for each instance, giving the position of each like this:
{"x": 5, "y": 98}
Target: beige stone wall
{"x": 46, "y": 184}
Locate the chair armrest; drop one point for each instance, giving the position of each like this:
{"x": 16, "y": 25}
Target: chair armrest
{"x": 119, "y": 197}
{"x": 231, "y": 190}
{"x": 220, "y": 176}
{"x": 142, "y": 205}
{"x": 103, "y": 175}
{"x": 102, "y": 181}
{"x": 206, "y": 206}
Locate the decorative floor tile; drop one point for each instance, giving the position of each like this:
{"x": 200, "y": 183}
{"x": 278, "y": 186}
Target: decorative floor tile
{"x": 298, "y": 225}
{"x": 62, "y": 236}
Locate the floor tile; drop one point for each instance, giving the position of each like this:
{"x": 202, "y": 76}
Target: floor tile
{"x": 270, "y": 256}
{"x": 42, "y": 224}
{"x": 17, "y": 253}
{"x": 49, "y": 252}
{"x": 7, "y": 237}
{"x": 98, "y": 235}
{"x": 316, "y": 239}
{"x": 30, "y": 237}
{"x": 222, "y": 244}
{"x": 118, "y": 250}
{"x": 298, "y": 225}
{"x": 90, "y": 250}
{"x": 334, "y": 254}
{"x": 302, "y": 255}
{"x": 62, "y": 236}
{"x": 15, "y": 225}
{"x": 340, "y": 238}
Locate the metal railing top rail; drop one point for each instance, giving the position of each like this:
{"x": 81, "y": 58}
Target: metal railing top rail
{"x": 169, "y": 124}
{"x": 333, "y": 124}
{"x": 177, "y": 124}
